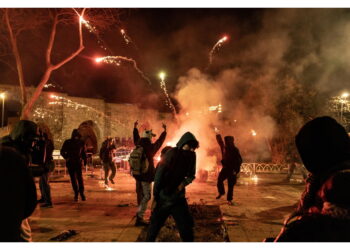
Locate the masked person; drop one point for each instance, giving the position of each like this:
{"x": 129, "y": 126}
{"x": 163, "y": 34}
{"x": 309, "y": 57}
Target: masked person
{"x": 106, "y": 155}
{"x": 144, "y": 180}
{"x": 73, "y": 151}
{"x": 175, "y": 172}
{"x": 17, "y": 187}
{"x": 231, "y": 165}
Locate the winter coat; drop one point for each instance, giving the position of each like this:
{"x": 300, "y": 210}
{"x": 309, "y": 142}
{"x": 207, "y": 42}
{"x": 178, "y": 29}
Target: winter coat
{"x": 231, "y": 158}
{"x": 177, "y": 167}
{"x": 73, "y": 150}
{"x": 324, "y": 148}
{"x": 150, "y": 150}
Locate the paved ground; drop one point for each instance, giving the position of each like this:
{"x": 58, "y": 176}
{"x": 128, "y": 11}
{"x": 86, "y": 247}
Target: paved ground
{"x": 108, "y": 216}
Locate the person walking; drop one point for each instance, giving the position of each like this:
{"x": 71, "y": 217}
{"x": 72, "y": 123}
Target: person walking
{"x": 73, "y": 151}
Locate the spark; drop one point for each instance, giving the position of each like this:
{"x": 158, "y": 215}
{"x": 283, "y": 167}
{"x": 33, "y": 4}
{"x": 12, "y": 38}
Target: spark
{"x": 116, "y": 60}
{"x": 217, "y": 45}
{"x": 168, "y": 101}
{"x": 253, "y": 132}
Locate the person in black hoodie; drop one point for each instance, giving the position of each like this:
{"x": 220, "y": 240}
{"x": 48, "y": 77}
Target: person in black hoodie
{"x": 231, "y": 166}
{"x": 144, "y": 181}
{"x": 174, "y": 173}
{"x": 17, "y": 187}
{"x": 73, "y": 151}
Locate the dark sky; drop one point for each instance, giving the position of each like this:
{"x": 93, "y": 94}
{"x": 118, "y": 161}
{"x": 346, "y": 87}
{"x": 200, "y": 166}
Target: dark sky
{"x": 265, "y": 46}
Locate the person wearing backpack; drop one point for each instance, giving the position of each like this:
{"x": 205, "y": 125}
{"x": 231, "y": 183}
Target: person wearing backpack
{"x": 106, "y": 155}
{"x": 145, "y": 151}
{"x": 176, "y": 170}
{"x": 231, "y": 166}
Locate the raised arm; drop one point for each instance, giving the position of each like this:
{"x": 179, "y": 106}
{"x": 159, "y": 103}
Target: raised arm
{"x": 220, "y": 142}
{"x": 135, "y": 133}
{"x": 159, "y": 142}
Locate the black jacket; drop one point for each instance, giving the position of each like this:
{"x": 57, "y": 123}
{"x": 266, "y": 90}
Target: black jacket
{"x": 231, "y": 158}
{"x": 106, "y": 151}
{"x": 73, "y": 150}
{"x": 150, "y": 150}
{"x": 177, "y": 167}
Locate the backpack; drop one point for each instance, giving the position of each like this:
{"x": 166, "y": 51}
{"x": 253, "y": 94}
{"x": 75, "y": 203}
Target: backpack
{"x": 138, "y": 161}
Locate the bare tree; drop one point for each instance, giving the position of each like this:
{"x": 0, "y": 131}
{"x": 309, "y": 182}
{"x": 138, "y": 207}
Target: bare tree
{"x": 15, "y": 21}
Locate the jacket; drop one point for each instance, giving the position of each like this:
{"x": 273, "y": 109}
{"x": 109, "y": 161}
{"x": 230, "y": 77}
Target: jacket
{"x": 73, "y": 150}
{"x": 177, "y": 167}
{"x": 106, "y": 151}
{"x": 150, "y": 150}
{"x": 231, "y": 158}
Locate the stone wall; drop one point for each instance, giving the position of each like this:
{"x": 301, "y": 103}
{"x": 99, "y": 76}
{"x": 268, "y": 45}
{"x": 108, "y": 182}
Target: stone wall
{"x": 62, "y": 113}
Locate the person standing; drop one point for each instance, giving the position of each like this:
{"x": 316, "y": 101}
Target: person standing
{"x": 73, "y": 151}
{"x": 231, "y": 166}
{"x": 44, "y": 178}
{"x": 106, "y": 155}
{"x": 144, "y": 180}
{"x": 176, "y": 170}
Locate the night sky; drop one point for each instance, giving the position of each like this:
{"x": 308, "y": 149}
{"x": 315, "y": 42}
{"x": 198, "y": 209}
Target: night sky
{"x": 265, "y": 47}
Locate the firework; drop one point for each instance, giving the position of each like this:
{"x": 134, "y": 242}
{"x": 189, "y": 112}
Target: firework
{"x": 215, "y": 47}
{"x": 168, "y": 101}
{"x": 116, "y": 60}
{"x": 253, "y": 132}
{"x": 127, "y": 38}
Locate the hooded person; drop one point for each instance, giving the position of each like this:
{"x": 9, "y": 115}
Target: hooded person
{"x": 324, "y": 147}
{"x": 144, "y": 181}
{"x": 176, "y": 170}
{"x": 329, "y": 224}
{"x": 17, "y": 187}
{"x": 73, "y": 151}
{"x": 231, "y": 166}
{"x": 106, "y": 155}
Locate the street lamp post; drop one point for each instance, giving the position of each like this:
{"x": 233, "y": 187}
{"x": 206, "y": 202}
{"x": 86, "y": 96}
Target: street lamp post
{"x": 2, "y": 96}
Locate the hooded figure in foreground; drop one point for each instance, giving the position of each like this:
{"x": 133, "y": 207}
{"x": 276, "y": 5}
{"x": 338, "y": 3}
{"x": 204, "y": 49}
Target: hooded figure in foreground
{"x": 324, "y": 147}
{"x": 175, "y": 172}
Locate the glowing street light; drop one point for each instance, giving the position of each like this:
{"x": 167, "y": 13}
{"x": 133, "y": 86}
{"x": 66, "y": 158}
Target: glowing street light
{"x": 345, "y": 95}
{"x": 3, "y": 96}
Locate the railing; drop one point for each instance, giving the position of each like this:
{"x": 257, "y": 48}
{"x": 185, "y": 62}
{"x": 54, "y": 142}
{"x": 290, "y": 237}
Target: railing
{"x": 253, "y": 168}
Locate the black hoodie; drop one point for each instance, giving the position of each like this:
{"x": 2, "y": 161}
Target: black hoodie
{"x": 178, "y": 167}
{"x": 73, "y": 150}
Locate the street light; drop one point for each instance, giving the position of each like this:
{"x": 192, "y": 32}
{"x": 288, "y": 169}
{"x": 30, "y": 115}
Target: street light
{"x": 343, "y": 96}
{"x": 2, "y": 96}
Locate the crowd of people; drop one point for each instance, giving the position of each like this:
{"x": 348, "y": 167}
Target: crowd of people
{"x": 322, "y": 144}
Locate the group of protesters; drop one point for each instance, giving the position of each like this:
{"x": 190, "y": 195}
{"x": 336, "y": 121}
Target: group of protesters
{"x": 322, "y": 144}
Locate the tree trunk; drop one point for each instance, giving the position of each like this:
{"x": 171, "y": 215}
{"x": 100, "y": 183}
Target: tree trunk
{"x": 18, "y": 61}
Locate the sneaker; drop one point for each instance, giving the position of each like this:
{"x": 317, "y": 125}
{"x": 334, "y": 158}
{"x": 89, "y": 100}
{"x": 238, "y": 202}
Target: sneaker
{"x": 231, "y": 203}
{"x": 219, "y": 196}
{"x": 47, "y": 205}
{"x": 41, "y": 200}
{"x": 140, "y": 222}
{"x": 83, "y": 198}
{"x": 76, "y": 197}
{"x": 111, "y": 181}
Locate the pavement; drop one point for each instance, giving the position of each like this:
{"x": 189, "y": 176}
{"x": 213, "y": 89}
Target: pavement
{"x": 260, "y": 206}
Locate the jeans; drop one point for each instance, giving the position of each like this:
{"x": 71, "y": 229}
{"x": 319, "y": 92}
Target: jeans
{"x": 45, "y": 188}
{"x": 146, "y": 191}
{"x": 231, "y": 181}
{"x": 179, "y": 211}
{"x": 106, "y": 166}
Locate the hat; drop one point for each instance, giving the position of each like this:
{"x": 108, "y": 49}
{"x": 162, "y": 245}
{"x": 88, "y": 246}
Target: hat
{"x": 148, "y": 134}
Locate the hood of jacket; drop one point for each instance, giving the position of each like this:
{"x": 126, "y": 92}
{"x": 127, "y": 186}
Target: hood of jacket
{"x": 75, "y": 133}
{"x": 322, "y": 143}
{"x": 185, "y": 138}
{"x": 24, "y": 129}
